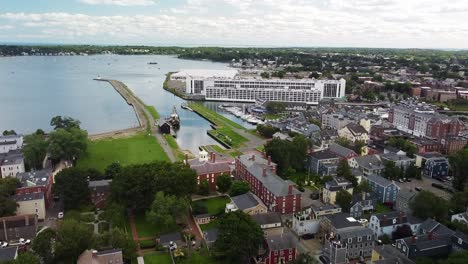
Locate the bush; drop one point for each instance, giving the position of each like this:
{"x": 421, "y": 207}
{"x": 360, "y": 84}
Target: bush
{"x": 151, "y": 243}
{"x": 199, "y": 208}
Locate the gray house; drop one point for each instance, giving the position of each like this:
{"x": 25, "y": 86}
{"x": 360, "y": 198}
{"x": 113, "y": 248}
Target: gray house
{"x": 323, "y": 162}
{"x": 400, "y": 159}
{"x": 369, "y": 165}
{"x": 385, "y": 190}
{"x": 403, "y": 200}
{"x": 362, "y": 203}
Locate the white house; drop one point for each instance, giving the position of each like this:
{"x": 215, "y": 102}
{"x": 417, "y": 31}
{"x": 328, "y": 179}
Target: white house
{"x": 462, "y": 217}
{"x": 305, "y": 222}
{"x": 11, "y": 142}
{"x": 387, "y": 223}
{"x": 354, "y": 132}
{"x": 11, "y": 164}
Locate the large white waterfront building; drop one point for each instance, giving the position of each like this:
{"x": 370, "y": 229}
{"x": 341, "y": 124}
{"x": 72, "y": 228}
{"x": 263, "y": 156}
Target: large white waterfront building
{"x": 248, "y": 89}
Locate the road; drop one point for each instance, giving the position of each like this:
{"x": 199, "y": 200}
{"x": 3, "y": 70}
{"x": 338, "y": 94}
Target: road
{"x": 426, "y": 184}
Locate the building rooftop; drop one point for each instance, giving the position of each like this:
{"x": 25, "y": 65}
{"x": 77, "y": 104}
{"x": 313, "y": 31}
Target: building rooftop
{"x": 9, "y": 253}
{"x": 285, "y": 240}
{"x": 370, "y": 162}
{"x": 245, "y": 201}
{"x": 395, "y": 157}
{"x": 391, "y": 255}
{"x": 342, "y": 220}
{"x": 101, "y": 183}
{"x": 267, "y": 218}
{"x": 342, "y": 151}
{"x": 379, "y": 180}
{"x": 36, "y": 178}
{"x": 324, "y": 154}
{"x": 353, "y": 231}
{"x": 391, "y": 218}
{"x": 356, "y": 129}
{"x": 12, "y": 158}
{"x": 205, "y": 73}
{"x": 211, "y": 234}
{"x": 430, "y": 155}
{"x": 208, "y": 167}
{"x": 337, "y": 184}
{"x": 28, "y": 196}
{"x": 431, "y": 225}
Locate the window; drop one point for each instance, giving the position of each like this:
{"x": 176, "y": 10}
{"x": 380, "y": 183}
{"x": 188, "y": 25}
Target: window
{"x": 276, "y": 252}
{"x": 350, "y": 240}
{"x": 404, "y": 249}
{"x": 290, "y": 257}
{"x": 359, "y": 239}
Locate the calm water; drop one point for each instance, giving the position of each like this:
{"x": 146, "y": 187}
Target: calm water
{"x": 34, "y": 89}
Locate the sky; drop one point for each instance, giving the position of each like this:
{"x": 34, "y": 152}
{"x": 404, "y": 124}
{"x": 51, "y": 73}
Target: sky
{"x": 306, "y": 23}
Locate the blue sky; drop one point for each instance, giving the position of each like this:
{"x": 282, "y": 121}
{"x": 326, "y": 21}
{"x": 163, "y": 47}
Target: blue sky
{"x": 337, "y": 23}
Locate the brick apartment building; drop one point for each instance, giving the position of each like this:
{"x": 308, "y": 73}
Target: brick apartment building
{"x": 35, "y": 182}
{"x": 278, "y": 195}
{"x": 209, "y": 169}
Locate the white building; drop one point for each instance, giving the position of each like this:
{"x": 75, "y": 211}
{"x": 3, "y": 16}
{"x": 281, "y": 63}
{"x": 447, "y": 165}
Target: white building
{"x": 387, "y": 223}
{"x": 183, "y": 74}
{"x": 248, "y": 89}
{"x": 11, "y": 164}
{"x": 11, "y": 142}
{"x": 31, "y": 203}
{"x": 305, "y": 222}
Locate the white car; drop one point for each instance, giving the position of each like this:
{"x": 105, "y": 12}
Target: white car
{"x": 60, "y": 215}
{"x": 362, "y": 221}
{"x": 23, "y": 241}
{"x": 3, "y": 244}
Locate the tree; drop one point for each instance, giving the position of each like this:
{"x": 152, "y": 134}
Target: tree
{"x": 166, "y": 208}
{"x": 344, "y": 142}
{"x": 112, "y": 170}
{"x": 9, "y": 132}
{"x": 204, "y": 188}
{"x": 266, "y": 131}
{"x": 265, "y": 75}
{"x": 413, "y": 172}
{"x": 43, "y": 245}
{"x": 68, "y": 144}
{"x": 287, "y": 154}
{"x": 7, "y": 206}
{"x": 116, "y": 238}
{"x": 344, "y": 170}
{"x": 25, "y": 258}
{"x": 224, "y": 183}
{"x": 39, "y": 132}
{"x": 72, "y": 186}
{"x": 459, "y": 164}
{"x": 359, "y": 146}
{"x": 239, "y": 237}
{"x": 275, "y": 107}
{"x": 8, "y": 186}
{"x": 459, "y": 202}
{"x": 391, "y": 171}
{"x": 385, "y": 239}
{"x": 402, "y": 232}
{"x": 64, "y": 122}
{"x": 238, "y": 188}
{"x": 115, "y": 214}
{"x": 72, "y": 239}
{"x": 94, "y": 174}
{"x": 404, "y": 145}
{"x": 363, "y": 187}
{"x": 35, "y": 150}
{"x": 344, "y": 199}
{"x": 304, "y": 259}
{"x": 459, "y": 257}
{"x": 426, "y": 204}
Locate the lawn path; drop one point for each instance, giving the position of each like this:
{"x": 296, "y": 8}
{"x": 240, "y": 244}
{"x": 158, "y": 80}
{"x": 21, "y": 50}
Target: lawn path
{"x": 131, "y": 219}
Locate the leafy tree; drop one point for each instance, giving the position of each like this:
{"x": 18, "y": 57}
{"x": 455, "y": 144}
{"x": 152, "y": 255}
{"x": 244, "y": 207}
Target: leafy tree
{"x": 344, "y": 142}
{"x": 204, "y": 188}
{"x": 266, "y": 131}
{"x": 224, "y": 183}
{"x": 288, "y": 154}
{"x": 459, "y": 202}
{"x": 8, "y": 186}
{"x": 344, "y": 170}
{"x": 199, "y": 208}
{"x": 404, "y": 145}
{"x": 67, "y": 144}
{"x": 238, "y": 188}
{"x": 385, "y": 239}
{"x": 459, "y": 164}
{"x": 402, "y": 232}
{"x": 24, "y": 258}
{"x": 265, "y": 75}
{"x": 9, "y": 132}
{"x": 413, "y": 172}
{"x": 459, "y": 257}
{"x": 239, "y": 237}
{"x": 39, "y": 132}
{"x": 7, "y": 189}
{"x": 166, "y": 208}
{"x": 362, "y": 187}
{"x": 391, "y": 171}
{"x": 64, "y": 122}
{"x": 275, "y": 107}
{"x": 35, "y": 150}
{"x": 72, "y": 239}
{"x": 426, "y": 204}
{"x": 43, "y": 245}
{"x": 7, "y": 206}
{"x": 115, "y": 215}
{"x": 72, "y": 185}
{"x": 344, "y": 199}
{"x": 116, "y": 238}
{"x": 359, "y": 146}
{"x": 112, "y": 170}
{"x": 94, "y": 174}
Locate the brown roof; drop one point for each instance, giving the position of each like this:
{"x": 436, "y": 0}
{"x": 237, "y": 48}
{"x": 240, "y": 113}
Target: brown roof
{"x": 211, "y": 167}
{"x": 356, "y": 129}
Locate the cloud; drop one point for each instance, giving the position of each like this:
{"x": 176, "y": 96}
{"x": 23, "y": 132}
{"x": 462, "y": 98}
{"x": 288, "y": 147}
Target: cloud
{"x": 370, "y": 23}
{"x": 119, "y": 2}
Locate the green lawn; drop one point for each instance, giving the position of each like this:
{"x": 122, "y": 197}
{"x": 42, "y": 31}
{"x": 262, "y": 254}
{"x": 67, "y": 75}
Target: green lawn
{"x": 103, "y": 227}
{"x": 137, "y": 149}
{"x": 174, "y": 146}
{"x": 380, "y": 208}
{"x": 211, "y": 225}
{"x": 214, "y": 205}
{"x": 213, "y": 116}
{"x": 198, "y": 258}
{"x": 228, "y": 136}
{"x": 218, "y": 149}
{"x": 158, "y": 258}
{"x": 147, "y": 229}
{"x": 152, "y": 111}
{"x": 87, "y": 217}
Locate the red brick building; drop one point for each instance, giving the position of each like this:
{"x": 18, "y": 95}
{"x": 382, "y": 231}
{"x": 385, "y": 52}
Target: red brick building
{"x": 99, "y": 192}
{"x": 209, "y": 169}
{"x": 453, "y": 144}
{"x": 260, "y": 173}
{"x": 38, "y": 181}
{"x": 427, "y": 145}
{"x": 281, "y": 248}
{"x": 438, "y": 127}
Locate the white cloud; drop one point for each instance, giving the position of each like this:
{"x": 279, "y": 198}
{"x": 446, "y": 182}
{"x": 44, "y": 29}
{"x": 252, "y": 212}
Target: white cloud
{"x": 370, "y": 23}
{"x": 119, "y": 2}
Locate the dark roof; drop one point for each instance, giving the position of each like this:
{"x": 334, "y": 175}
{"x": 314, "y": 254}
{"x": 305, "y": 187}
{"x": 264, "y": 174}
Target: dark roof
{"x": 282, "y": 241}
{"x": 392, "y": 255}
{"x": 379, "y": 180}
{"x": 341, "y": 151}
{"x": 28, "y": 196}
{"x": 13, "y": 157}
{"x": 245, "y": 201}
{"x": 356, "y": 129}
{"x": 430, "y": 155}
{"x": 431, "y": 225}
{"x": 109, "y": 251}
{"x": 199, "y": 216}
{"x": 267, "y": 218}
{"x": 35, "y": 178}
{"x": 428, "y": 242}
{"x": 101, "y": 183}
{"x": 211, "y": 167}
{"x": 211, "y": 234}
{"x": 406, "y": 194}
{"x": 387, "y": 219}
{"x": 460, "y": 237}
{"x": 369, "y": 162}
{"x": 324, "y": 154}
{"x": 166, "y": 238}
{"x": 340, "y": 220}
{"x": 337, "y": 184}
{"x": 8, "y": 253}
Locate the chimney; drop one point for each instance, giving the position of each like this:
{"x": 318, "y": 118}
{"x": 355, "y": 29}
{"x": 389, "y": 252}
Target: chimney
{"x": 264, "y": 172}
{"x": 290, "y": 188}
{"x": 94, "y": 253}
{"x": 269, "y": 160}
{"x": 363, "y": 196}
{"x": 253, "y": 157}
{"x": 214, "y": 157}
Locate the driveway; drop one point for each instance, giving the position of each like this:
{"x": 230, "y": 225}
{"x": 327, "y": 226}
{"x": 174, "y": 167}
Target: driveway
{"x": 426, "y": 184}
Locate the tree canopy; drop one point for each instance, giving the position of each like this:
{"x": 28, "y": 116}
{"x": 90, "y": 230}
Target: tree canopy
{"x": 239, "y": 187}
{"x": 288, "y": 154}
{"x": 266, "y": 131}
{"x": 8, "y": 186}
{"x": 35, "y": 150}
{"x": 68, "y": 144}
{"x": 9, "y": 132}
{"x": 344, "y": 199}
{"x": 426, "y": 204}
{"x": 239, "y": 237}
{"x": 224, "y": 183}
{"x": 64, "y": 122}
{"x": 459, "y": 165}
{"x": 165, "y": 209}
{"x": 344, "y": 170}
{"x": 275, "y": 107}
{"x": 72, "y": 186}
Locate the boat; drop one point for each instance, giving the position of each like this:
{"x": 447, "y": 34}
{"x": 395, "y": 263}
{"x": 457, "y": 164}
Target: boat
{"x": 174, "y": 119}
{"x": 152, "y": 63}
{"x": 186, "y": 107}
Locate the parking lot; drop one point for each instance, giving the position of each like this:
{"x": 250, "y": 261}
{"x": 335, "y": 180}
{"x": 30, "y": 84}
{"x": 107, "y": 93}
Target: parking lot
{"x": 426, "y": 184}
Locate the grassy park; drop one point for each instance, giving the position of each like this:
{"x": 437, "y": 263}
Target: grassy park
{"x": 157, "y": 258}
{"x": 148, "y": 229}
{"x": 214, "y": 117}
{"x": 213, "y": 205}
{"x": 137, "y": 149}
{"x": 152, "y": 111}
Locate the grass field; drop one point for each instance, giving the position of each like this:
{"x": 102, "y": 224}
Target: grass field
{"x": 174, "y": 146}
{"x": 158, "y": 258}
{"x": 213, "y": 116}
{"x": 152, "y": 111}
{"x": 198, "y": 258}
{"x": 137, "y": 149}
{"x": 210, "y": 225}
{"x": 214, "y": 205}
{"x": 218, "y": 149}
{"x": 148, "y": 229}
{"x": 228, "y": 136}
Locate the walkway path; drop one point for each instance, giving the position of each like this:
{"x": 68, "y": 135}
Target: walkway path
{"x": 135, "y": 234}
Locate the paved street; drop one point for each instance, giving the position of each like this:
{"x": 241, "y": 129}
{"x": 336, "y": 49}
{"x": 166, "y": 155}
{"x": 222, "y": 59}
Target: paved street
{"x": 426, "y": 184}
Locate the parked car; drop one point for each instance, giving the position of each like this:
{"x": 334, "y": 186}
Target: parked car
{"x": 3, "y": 244}
{"x": 60, "y": 215}
{"x": 324, "y": 259}
{"x": 23, "y": 241}
{"x": 362, "y": 221}
{"x": 400, "y": 180}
